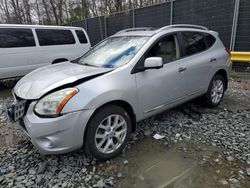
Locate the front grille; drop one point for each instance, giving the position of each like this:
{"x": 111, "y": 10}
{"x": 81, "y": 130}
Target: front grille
{"x": 27, "y": 103}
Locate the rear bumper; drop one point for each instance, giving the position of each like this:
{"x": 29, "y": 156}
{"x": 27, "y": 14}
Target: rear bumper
{"x": 56, "y": 135}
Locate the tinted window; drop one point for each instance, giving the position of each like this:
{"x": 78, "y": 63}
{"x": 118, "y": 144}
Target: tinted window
{"x": 165, "y": 48}
{"x": 210, "y": 40}
{"x": 194, "y": 42}
{"x": 15, "y": 37}
{"x": 81, "y": 36}
{"x": 48, "y": 37}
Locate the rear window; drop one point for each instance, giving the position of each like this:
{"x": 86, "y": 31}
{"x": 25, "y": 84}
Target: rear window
{"x": 194, "y": 42}
{"x": 16, "y": 37}
{"x": 49, "y": 37}
{"x": 210, "y": 40}
{"x": 81, "y": 36}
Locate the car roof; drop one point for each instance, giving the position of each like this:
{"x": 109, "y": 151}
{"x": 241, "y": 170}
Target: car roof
{"x": 38, "y": 26}
{"x": 150, "y": 31}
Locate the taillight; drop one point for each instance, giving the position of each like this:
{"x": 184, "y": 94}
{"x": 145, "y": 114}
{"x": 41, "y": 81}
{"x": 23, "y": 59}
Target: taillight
{"x": 228, "y": 51}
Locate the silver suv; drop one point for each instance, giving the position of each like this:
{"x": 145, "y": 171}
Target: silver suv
{"x": 95, "y": 101}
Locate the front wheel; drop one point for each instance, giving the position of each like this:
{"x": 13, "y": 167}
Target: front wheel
{"x": 107, "y": 132}
{"x": 215, "y": 92}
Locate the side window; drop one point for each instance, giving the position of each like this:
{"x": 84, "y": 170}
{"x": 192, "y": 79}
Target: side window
{"x": 48, "y": 37}
{"x": 166, "y": 48}
{"x": 210, "y": 40}
{"x": 16, "y": 37}
{"x": 194, "y": 42}
{"x": 81, "y": 36}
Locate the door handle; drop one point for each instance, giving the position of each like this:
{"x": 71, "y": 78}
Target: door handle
{"x": 213, "y": 59}
{"x": 182, "y": 69}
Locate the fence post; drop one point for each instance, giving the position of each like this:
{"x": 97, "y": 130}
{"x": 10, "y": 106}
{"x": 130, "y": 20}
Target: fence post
{"x": 171, "y": 12}
{"x": 234, "y": 25}
{"x": 100, "y": 25}
{"x": 133, "y": 17}
{"x": 105, "y": 27}
{"x": 86, "y": 25}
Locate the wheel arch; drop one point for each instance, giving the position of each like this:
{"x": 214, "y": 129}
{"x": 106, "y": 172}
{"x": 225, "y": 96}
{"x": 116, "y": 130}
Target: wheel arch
{"x": 123, "y": 104}
{"x": 224, "y": 74}
{"x": 59, "y": 60}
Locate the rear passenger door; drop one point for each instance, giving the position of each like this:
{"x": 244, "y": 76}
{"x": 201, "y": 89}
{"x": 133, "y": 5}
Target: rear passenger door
{"x": 197, "y": 59}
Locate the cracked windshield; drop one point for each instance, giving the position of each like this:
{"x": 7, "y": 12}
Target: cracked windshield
{"x": 113, "y": 52}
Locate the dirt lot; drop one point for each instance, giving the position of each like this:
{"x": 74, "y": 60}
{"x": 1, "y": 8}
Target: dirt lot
{"x": 200, "y": 147}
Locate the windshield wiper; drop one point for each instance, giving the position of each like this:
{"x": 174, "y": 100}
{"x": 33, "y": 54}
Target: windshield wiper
{"x": 87, "y": 64}
{"x": 75, "y": 60}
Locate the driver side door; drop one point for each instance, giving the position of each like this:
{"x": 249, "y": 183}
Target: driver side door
{"x": 158, "y": 89}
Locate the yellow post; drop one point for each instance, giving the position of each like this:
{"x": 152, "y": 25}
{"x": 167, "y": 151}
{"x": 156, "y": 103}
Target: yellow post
{"x": 240, "y": 56}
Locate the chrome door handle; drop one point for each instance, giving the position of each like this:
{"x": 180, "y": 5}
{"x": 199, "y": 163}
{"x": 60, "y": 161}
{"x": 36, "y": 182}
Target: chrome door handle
{"x": 213, "y": 59}
{"x": 182, "y": 69}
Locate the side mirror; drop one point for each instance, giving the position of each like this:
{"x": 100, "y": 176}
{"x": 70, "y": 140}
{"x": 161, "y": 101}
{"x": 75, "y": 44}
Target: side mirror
{"x": 153, "y": 63}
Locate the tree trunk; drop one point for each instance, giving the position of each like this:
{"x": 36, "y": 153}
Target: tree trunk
{"x": 27, "y": 11}
{"x": 48, "y": 20}
{"x": 18, "y": 12}
{"x": 6, "y": 11}
{"x": 60, "y": 14}
{"x": 140, "y": 3}
{"x": 54, "y": 11}
{"x": 38, "y": 12}
{"x": 15, "y": 18}
{"x": 118, "y": 5}
{"x": 84, "y": 9}
{"x": 66, "y": 10}
{"x": 129, "y": 4}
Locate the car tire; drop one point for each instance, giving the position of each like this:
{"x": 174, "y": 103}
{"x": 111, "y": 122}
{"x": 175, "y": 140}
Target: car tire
{"x": 108, "y": 132}
{"x": 215, "y": 92}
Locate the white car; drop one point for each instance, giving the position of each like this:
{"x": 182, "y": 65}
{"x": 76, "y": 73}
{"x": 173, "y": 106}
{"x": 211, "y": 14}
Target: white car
{"x": 24, "y": 48}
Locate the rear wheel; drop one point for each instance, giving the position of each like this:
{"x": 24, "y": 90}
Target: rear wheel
{"x": 215, "y": 92}
{"x": 108, "y": 132}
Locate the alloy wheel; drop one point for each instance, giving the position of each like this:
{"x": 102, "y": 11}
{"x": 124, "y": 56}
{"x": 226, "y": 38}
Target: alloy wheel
{"x": 111, "y": 133}
{"x": 217, "y": 91}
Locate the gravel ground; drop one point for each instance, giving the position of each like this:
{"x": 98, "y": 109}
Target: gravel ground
{"x": 226, "y": 127}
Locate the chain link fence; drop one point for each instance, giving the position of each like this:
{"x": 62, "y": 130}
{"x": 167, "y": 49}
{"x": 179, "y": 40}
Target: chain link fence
{"x": 231, "y": 18}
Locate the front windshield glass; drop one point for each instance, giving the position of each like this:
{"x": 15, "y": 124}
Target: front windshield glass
{"x": 113, "y": 52}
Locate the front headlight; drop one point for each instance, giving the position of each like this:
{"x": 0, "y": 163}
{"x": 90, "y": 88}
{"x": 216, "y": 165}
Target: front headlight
{"x": 53, "y": 103}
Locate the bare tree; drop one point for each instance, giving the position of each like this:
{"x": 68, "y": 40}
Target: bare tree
{"x": 27, "y": 14}
{"x": 5, "y": 11}
{"x": 38, "y": 11}
{"x": 62, "y": 11}
{"x": 17, "y": 16}
{"x": 66, "y": 10}
{"x": 46, "y": 8}
{"x": 118, "y": 5}
{"x": 54, "y": 10}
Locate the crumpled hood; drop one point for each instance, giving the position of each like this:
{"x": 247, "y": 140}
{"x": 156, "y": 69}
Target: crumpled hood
{"x": 42, "y": 80}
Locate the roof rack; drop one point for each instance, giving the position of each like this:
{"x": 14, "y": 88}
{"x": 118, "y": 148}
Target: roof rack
{"x": 135, "y": 29}
{"x": 181, "y": 26}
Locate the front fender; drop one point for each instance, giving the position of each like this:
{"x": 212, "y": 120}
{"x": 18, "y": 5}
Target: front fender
{"x": 89, "y": 100}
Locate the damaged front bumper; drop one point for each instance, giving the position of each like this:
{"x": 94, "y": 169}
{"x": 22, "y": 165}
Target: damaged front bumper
{"x": 56, "y": 135}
